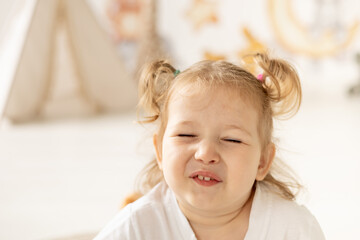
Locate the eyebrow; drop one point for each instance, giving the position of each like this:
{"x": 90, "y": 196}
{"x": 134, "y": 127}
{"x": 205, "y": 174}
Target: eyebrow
{"x": 184, "y": 123}
{"x": 227, "y": 126}
{"x": 232, "y": 126}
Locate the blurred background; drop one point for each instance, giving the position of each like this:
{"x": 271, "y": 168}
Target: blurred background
{"x": 70, "y": 149}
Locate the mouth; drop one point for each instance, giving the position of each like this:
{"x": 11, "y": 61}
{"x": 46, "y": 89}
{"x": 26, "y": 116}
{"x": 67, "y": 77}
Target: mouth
{"x": 205, "y": 178}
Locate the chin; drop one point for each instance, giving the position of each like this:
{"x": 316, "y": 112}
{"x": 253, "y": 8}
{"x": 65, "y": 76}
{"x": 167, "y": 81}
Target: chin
{"x": 204, "y": 204}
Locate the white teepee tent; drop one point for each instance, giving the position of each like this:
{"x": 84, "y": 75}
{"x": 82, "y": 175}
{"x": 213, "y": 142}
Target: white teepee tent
{"x": 56, "y": 60}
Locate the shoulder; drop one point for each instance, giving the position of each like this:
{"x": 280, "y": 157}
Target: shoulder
{"x": 284, "y": 218}
{"x": 146, "y": 213}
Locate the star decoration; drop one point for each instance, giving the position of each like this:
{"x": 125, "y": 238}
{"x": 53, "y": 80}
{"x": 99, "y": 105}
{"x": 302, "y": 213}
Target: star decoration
{"x": 214, "y": 57}
{"x": 202, "y": 12}
{"x": 254, "y": 46}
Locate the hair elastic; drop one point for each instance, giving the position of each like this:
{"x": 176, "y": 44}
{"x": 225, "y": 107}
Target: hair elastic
{"x": 260, "y": 77}
{"x": 177, "y": 71}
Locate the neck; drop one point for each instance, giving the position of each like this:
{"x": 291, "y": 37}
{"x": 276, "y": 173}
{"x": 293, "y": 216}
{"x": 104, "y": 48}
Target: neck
{"x": 221, "y": 224}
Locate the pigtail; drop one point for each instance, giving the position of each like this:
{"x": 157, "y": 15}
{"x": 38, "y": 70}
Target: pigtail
{"x": 155, "y": 80}
{"x": 282, "y": 88}
{"x": 282, "y": 84}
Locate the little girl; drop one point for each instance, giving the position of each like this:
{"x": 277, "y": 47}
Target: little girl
{"x": 215, "y": 176}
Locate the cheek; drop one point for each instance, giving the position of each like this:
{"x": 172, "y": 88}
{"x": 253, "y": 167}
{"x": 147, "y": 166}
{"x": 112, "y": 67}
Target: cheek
{"x": 173, "y": 158}
{"x": 244, "y": 168}
{"x": 174, "y": 166}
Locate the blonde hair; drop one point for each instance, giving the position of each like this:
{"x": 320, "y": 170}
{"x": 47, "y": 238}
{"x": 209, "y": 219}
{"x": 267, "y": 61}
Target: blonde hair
{"x": 277, "y": 94}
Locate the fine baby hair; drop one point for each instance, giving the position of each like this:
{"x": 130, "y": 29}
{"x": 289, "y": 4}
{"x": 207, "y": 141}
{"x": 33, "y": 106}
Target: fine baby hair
{"x": 274, "y": 93}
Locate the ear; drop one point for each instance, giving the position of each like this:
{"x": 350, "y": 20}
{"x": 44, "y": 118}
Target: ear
{"x": 266, "y": 161}
{"x": 157, "y": 147}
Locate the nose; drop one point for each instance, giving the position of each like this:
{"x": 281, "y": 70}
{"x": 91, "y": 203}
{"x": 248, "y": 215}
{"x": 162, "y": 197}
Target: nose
{"x": 207, "y": 153}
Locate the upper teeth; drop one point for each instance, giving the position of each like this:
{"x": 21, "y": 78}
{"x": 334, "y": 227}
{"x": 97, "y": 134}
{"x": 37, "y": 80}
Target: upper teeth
{"x": 204, "y": 178}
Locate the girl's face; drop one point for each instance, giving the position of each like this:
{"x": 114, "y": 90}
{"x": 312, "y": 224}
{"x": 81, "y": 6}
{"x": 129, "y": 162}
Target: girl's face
{"x": 211, "y": 152}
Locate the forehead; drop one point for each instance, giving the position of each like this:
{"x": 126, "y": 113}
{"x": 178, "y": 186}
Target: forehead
{"x": 220, "y": 102}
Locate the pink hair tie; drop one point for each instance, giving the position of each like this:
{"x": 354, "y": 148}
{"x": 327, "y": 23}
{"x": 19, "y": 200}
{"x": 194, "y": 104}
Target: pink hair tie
{"x": 260, "y": 77}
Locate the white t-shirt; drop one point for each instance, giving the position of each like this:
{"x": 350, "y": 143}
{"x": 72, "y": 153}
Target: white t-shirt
{"x": 157, "y": 216}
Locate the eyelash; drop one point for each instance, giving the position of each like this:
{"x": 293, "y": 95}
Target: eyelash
{"x": 233, "y": 140}
{"x": 186, "y": 135}
{"x": 228, "y": 140}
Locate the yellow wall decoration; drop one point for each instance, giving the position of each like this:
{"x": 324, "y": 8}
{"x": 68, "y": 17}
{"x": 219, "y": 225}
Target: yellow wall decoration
{"x": 293, "y": 36}
{"x": 212, "y": 56}
{"x": 254, "y": 46}
{"x": 202, "y": 12}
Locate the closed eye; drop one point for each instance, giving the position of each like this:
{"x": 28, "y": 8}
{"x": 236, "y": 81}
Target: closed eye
{"x": 186, "y": 135}
{"x": 233, "y": 140}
